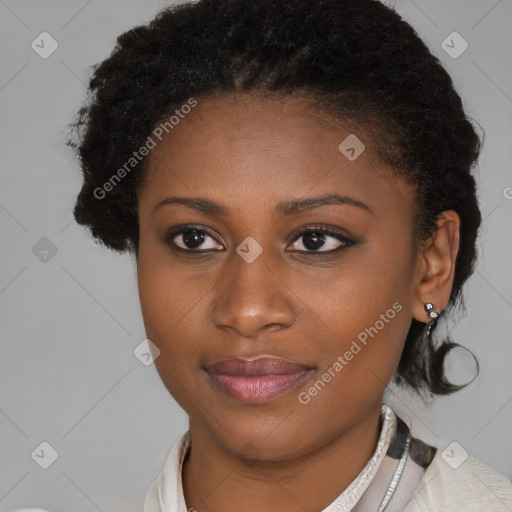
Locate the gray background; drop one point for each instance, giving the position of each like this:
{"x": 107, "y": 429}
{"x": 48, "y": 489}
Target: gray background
{"x": 70, "y": 324}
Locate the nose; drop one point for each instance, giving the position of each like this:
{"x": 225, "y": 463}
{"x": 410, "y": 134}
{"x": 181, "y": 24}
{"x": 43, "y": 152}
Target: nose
{"x": 252, "y": 298}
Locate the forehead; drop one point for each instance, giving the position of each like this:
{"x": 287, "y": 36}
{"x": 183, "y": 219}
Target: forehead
{"x": 244, "y": 146}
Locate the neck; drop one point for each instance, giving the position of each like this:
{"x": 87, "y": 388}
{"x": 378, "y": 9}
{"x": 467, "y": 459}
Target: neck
{"x": 214, "y": 480}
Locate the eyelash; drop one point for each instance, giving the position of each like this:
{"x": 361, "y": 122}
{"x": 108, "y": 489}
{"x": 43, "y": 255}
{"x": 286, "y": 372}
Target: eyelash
{"x": 346, "y": 241}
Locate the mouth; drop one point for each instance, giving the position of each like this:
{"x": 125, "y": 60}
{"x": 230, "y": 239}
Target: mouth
{"x": 256, "y": 380}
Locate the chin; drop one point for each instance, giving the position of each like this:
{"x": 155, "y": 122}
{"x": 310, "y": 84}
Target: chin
{"x": 267, "y": 438}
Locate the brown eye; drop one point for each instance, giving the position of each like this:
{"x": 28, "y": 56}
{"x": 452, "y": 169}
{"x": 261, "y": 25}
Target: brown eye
{"x": 193, "y": 239}
{"x": 320, "y": 240}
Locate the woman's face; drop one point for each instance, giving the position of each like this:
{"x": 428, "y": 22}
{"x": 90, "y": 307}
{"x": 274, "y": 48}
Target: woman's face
{"x": 258, "y": 278}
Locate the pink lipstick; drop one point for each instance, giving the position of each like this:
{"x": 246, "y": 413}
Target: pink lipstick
{"x": 256, "y": 380}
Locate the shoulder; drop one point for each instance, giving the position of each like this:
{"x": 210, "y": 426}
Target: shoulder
{"x": 457, "y": 481}
{"x": 166, "y": 491}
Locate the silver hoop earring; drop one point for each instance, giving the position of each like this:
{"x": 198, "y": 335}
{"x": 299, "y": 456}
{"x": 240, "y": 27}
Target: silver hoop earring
{"x": 433, "y": 314}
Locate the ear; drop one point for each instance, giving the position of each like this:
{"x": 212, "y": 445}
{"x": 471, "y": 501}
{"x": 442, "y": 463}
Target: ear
{"x": 436, "y": 266}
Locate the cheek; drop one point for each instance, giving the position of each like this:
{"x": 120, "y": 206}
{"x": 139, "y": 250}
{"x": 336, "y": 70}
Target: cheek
{"x": 174, "y": 310}
{"x": 365, "y": 285}
{"x": 163, "y": 298}
{"x": 366, "y": 306}
{"x": 168, "y": 310}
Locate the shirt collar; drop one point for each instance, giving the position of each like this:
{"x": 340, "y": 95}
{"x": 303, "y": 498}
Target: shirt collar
{"x": 166, "y": 492}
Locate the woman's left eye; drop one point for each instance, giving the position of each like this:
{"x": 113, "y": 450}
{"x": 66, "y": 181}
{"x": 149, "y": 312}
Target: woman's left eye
{"x": 320, "y": 240}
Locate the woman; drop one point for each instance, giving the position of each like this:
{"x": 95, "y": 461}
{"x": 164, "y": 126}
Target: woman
{"x": 294, "y": 181}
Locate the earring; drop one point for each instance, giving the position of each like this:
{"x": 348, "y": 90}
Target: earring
{"x": 433, "y": 315}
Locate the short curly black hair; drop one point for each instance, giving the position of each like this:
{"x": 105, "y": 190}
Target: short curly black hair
{"x": 357, "y": 61}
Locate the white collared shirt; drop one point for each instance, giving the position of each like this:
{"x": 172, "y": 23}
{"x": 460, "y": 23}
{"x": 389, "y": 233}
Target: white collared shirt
{"x": 428, "y": 484}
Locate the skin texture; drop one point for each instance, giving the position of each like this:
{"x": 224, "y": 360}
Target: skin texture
{"x": 250, "y": 154}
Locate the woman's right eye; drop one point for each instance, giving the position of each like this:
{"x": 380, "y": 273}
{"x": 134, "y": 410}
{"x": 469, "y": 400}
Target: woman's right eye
{"x": 193, "y": 240}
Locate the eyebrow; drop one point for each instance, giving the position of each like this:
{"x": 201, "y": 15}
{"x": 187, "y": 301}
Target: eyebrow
{"x": 293, "y": 207}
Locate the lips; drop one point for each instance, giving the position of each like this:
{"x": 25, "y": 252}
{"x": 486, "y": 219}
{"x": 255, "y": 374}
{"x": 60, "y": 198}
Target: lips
{"x": 256, "y": 380}
{"x": 255, "y": 367}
